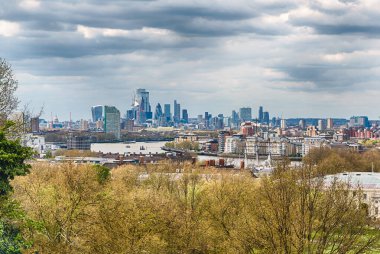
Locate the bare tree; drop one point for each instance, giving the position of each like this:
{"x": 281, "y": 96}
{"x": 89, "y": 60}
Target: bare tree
{"x": 8, "y": 87}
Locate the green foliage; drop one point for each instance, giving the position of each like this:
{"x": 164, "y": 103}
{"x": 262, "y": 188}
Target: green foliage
{"x": 332, "y": 161}
{"x": 11, "y": 241}
{"x": 103, "y": 173}
{"x": 48, "y": 155}
{"x": 12, "y": 161}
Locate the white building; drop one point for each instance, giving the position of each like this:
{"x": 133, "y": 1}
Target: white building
{"x": 369, "y": 184}
{"x": 234, "y": 144}
{"x": 35, "y": 141}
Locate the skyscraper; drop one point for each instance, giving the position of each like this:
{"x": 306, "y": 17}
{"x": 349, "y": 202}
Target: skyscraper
{"x": 265, "y": 119}
{"x": 112, "y": 120}
{"x": 167, "y": 113}
{"x": 261, "y": 114}
{"x": 283, "y": 123}
{"x": 321, "y": 125}
{"x": 302, "y": 124}
{"x": 235, "y": 118}
{"x": 158, "y": 112}
{"x": 177, "y": 112}
{"x": 330, "y": 124}
{"x": 142, "y": 105}
{"x": 97, "y": 113}
{"x": 185, "y": 116}
{"x": 207, "y": 120}
{"x": 245, "y": 114}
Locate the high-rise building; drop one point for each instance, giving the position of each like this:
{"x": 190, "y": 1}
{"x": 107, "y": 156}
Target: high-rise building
{"x": 177, "y": 112}
{"x": 265, "y": 117}
{"x": 97, "y": 113}
{"x": 112, "y": 120}
{"x": 283, "y": 123}
{"x": 321, "y": 125}
{"x": 222, "y": 140}
{"x": 167, "y": 113}
{"x": 142, "y": 106}
{"x": 200, "y": 118}
{"x": 302, "y": 124}
{"x": 235, "y": 118}
{"x": 158, "y": 112}
{"x": 245, "y": 114}
{"x": 207, "y": 120}
{"x": 261, "y": 114}
{"x": 185, "y": 116}
{"x": 330, "y": 124}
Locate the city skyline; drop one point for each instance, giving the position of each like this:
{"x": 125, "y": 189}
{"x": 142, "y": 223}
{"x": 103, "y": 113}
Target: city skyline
{"x": 296, "y": 58}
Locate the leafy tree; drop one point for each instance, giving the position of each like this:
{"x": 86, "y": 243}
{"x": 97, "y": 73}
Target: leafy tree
{"x": 12, "y": 160}
{"x": 103, "y": 173}
{"x": 8, "y": 86}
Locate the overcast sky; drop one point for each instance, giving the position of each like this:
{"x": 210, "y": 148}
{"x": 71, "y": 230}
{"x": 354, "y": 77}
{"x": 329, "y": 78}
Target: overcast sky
{"x": 297, "y": 58}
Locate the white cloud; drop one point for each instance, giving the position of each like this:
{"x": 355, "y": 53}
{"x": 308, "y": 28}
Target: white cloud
{"x": 9, "y": 29}
{"x": 30, "y": 4}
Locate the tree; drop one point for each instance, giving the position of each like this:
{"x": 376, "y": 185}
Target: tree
{"x": 12, "y": 163}
{"x": 12, "y": 160}
{"x": 8, "y": 86}
{"x": 301, "y": 213}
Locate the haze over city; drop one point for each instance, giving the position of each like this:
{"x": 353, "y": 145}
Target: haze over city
{"x": 298, "y": 58}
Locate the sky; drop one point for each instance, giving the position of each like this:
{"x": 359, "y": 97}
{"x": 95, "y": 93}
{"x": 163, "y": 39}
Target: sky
{"x": 297, "y": 58}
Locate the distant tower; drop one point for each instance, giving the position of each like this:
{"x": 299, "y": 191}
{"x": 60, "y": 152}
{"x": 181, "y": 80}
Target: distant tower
{"x": 167, "y": 113}
{"x": 302, "y": 124}
{"x": 261, "y": 114}
{"x": 321, "y": 125}
{"x": 185, "y": 116}
{"x": 283, "y": 123}
{"x": 330, "y": 124}
{"x": 177, "y": 112}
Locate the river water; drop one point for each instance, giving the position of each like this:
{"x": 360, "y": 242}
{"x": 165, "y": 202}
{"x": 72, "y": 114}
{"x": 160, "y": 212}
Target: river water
{"x": 124, "y": 148}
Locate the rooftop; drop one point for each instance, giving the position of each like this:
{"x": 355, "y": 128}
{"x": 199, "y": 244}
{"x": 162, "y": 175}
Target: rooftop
{"x": 366, "y": 180}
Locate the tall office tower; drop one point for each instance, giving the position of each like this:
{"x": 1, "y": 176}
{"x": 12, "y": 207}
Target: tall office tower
{"x": 359, "y": 121}
{"x": 167, "y": 113}
{"x": 261, "y": 114}
{"x": 35, "y": 124}
{"x": 177, "y": 112}
{"x": 330, "y": 123}
{"x": 302, "y": 124}
{"x": 185, "y": 116}
{"x": 112, "y": 120}
{"x": 142, "y": 106}
{"x": 207, "y": 120}
{"x": 219, "y": 124}
{"x": 265, "y": 117}
{"x": 158, "y": 112}
{"x": 274, "y": 122}
{"x": 131, "y": 114}
{"x": 283, "y": 123}
{"x": 321, "y": 125}
{"x": 200, "y": 118}
{"x": 245, "y": 114}
{"x": 235, "y": 118}
{"x": 97, "y": 113}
